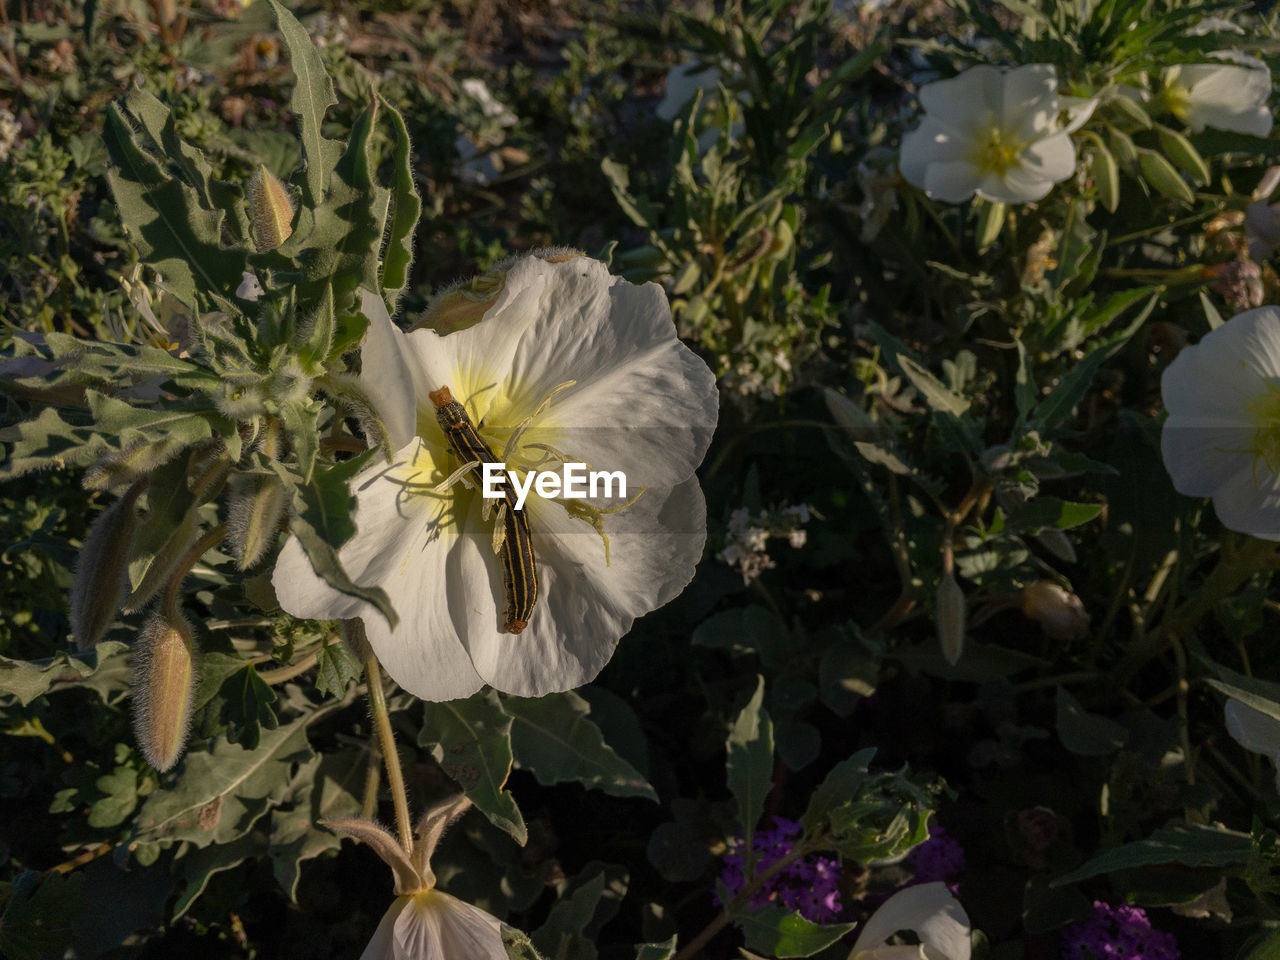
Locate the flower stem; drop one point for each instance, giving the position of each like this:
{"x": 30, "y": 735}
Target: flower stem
{"x": 387, "y": 741}
{"x": 722, "y": 919}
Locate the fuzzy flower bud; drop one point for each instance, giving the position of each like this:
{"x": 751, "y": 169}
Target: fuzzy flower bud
{"x": 97, "y": 590}
{"x": 1059, "y": 613}
{"x": 164, "y": 682}
{"x": 951, "y": 617}
{"x": 270, "y": 210}
{"x": 256, "y": 508}
{"x": 464, "y": 304}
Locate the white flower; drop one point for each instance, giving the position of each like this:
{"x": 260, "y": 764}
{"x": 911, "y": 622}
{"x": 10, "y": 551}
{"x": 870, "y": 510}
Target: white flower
{"x": 1214, "y": 25}
{"x": 1002, "y": 135}
{"x": 930, "y": 912}
{"x": 1262, "y": 229}
{"x": 424, "y": 923}
{"x": 1255, "y": 731}
{"x": 1226, "y": 96}
{"x": 496, "y": 111}
{"x": 682, "y": 83}
{"x": 1222, "y": 438}
{"x": 557, "y": 361}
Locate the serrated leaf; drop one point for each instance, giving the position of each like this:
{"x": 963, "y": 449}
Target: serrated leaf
{"x": 934, "y": 391}
{"x": 779, "y": 932}
{"x": 49, "y": 441}
{"x": 562, "y": 934}
{"x": 221, "y": 793}
{"x": 312, "y": 96}
{"x": 198, "y": 867}
{"x": 246, "y": 707}
{"x": 324, "y": 787}
{"x": 1189, "y": 846}
{"x": 104, "y": 669}
{"x": 406, "y": 208}
{"x": 842, "y": 782}
{"x": 749, "y": 766}
{"x": 473, "y": 745}
{"x": 336, "y": 668}
{"x": 173, "y": 232}
{"x": 554, "y": 738}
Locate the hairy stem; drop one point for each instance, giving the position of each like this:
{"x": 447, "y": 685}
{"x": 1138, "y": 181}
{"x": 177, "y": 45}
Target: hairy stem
{"x": 390, "y": 757}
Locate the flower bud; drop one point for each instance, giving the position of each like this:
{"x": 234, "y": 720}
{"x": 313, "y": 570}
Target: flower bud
{"x": 1060, "y": 614}
{"x": 1162, "y": 175}
{"x": 464, "y": 305}
{"x": 270, "y": 210}
{"x": 256, "y": 508}
{"x": 164, "y": 683}
{"x": 135, "y": 461}
{"x": 951, "y": 617}
{"x": 102, "y": 568}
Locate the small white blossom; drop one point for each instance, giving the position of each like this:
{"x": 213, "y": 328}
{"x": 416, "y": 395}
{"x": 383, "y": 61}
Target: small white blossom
{"x": 748, "y": 538}
{"x": 929, "y": 911}
{"x": 1255, "y": 731}
{"x": 10, "y": 129}
{"x": 478, "y": 91}
{"x": 1004, "y": 135}
{"x": 1231, "y": 95}
{"x": 1222, "y": 438}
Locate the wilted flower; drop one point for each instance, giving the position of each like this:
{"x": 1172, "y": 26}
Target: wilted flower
{"x": 1222, "y": 438}
{"x": 810, "y": 886}
{"x": 1239, "y": 283}
{"x": 1002, "y": 135}
{"x": 930, "y": 912}
{"x": 1255, "y": 731}
{"x": 1117, "y": 933}
{"x": 567, "y": 365}
{"x": 1059, "y": 613}
{"x": 1229, "y": 95}
{"x": 423, "y": 923}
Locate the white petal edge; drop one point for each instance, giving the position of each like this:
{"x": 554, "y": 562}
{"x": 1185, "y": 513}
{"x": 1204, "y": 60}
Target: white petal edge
{"x": 389, "y": 371}
{"x": 930, "y": 911}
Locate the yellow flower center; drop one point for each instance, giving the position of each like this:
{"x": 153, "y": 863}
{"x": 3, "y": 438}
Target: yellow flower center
{"x": 1177, "y": 100}
{"x": 1265, "y": 410}
{"x": 997, "y": 151}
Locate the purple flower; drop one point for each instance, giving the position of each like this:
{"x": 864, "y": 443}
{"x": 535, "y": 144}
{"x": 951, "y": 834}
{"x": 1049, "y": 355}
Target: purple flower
{"x": 810, "y": 886}
{"x": 939, "y": 858}
{"x": 1117, "y": 933}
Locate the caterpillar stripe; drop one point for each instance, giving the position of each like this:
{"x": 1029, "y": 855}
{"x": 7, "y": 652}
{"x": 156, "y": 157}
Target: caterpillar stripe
{"x": 519, "y": 570}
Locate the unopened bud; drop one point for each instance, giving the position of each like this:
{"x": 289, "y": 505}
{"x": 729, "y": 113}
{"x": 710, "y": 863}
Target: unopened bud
{"x": 164, "y": 682}
{"x": 1060, "y": 613}
{"x": 465, "y": 304}
{"x": 257, "y": 505}
{"x": 270, "y": 210}
{"x": 951, "y": 617}
{"x": 102, "y": 568}
{"x": 1162, "y": 175}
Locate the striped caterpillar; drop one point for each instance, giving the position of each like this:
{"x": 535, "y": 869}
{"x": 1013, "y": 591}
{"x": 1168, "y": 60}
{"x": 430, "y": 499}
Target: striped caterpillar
{"x": 519, "y": 571}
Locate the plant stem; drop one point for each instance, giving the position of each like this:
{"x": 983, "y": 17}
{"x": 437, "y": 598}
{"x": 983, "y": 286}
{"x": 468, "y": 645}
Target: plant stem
{"x": 169, "y": 605}
{"x": 391, "y": 758}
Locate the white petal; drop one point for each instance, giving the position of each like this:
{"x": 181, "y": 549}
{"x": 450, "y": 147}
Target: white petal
{"x": 1053, "y": 158}
{"x": 1249, "y": 501}
{"x": 953, "y": 182}
{"x": 583, "y": 606}
{"x": 436, "y": 926}
{"x": 1078, "y": 110}
{"x": 965, "y": 102}
{"x": 1028, "y": 99}
{"x": 1226, "y": 369}
{"x": 250, "y": 289}
{"x": 1201, "y": 454}
{"x": 1228, "y": 98}
{"x": 929, "y": 143}
{"x": 389, "y": 371}
{"x": 1252, "y": 729}
{"x": 930, "y": 911}
{"x": 399, "y": 546}
{"x": 382, "y": 946}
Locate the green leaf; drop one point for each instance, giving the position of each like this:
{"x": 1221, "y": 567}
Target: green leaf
{"x": 38, "y": 916}
{"x": 1086, "y": 734}
{"x": 324, "y": 787}
{"x": 49, "y": 441}
{"x": 312, "y": 96}
{"x": 553, "y": 738}
{"x": 246, "y": 707}
{"x": 173, "y": 233}
{"x": 323, "y": 522}
{"x": 1048, "y": 512}
{"x": 221, "y": 793}
{"x": 406, "y": 207}
{"x": 656, "y": 951}
{"x": 933, "y": 390}
{"x": 104, "y": 669}
{"x": 336, "y": 668}
{"x": 749, "y": 766}
{"x": 742, "y": 630}
{"x": 518, "y": 945}
{"x": 843, "y": 781}
{"x": 562, "y": 934}
{"x": 121, "y": 797}
{"x": 778, "y": 932}
{"x": 198, "y": 867}
{"x": 472, "y": 741}
{"x": 1189, "y": 846}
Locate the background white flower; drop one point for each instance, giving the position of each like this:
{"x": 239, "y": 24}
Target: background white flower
{"x": 1226, "y": 96}
{"x": 1255, "y": 731}
{"x": 1002, "y": 135}
{"x": 930, "y": 912}
{"x": 590, "y": 365}
{"x": 1222, "y": 438}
